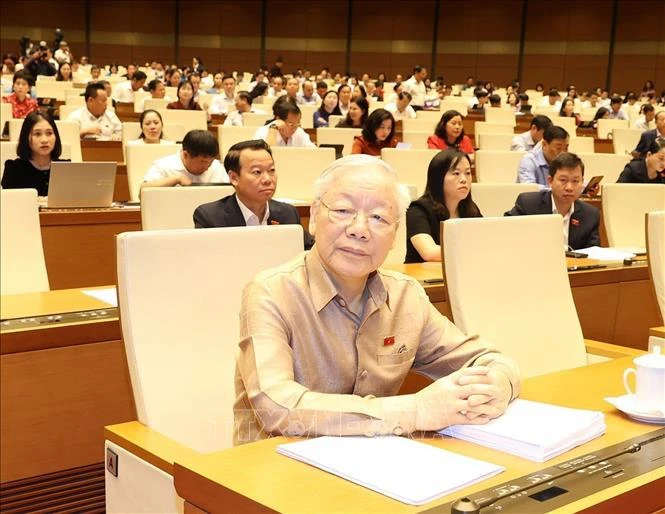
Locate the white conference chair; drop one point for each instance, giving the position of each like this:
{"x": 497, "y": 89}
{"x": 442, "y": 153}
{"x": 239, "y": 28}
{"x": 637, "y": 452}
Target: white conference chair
{"x": 624, "y": 140}
{"x": 167, "y": 208}
{"x": 507, "y": 281}
{"x": 181, "y": 350}
{"x": 131, "y": 131}
{"x": 139, "y": 159}
{"x": 483, "y": 127}
{"x": 298, "y": 168}
{"x": 307, "y": 117}
{"x": 605, "y": 127}
{"x": 417, "y": 139}
{"x": 411, "y": 165}
{"x": 52, "y": 89}
{"x": 254, "y": 119}
{"x": 66, "y": 109}
{"x": 337, "y": 136}
{"x": 655, "y": 221}
{"x": 227, "y": 136}
{"x": 566, "y": 123}
{"x": 158, "y": 104}
{"x": 624, "y": 209}
{"x": 494, "y": 141}
{"x": 497, "y": 167}
{"x": 334, "y": 119}
{"x": 499, "y": 115}
{"x": 6, "y": 114}
{"x": 495, "y": 199}
{"x": 608, "y": 165}
{"x": 432, "y": 116}
{"x": 397, "y": 253}
{"x": 7, "y": 152}
{"x": 419, "y": 125}
{"x": 22, "y": 263}
{"x": 581, "y": 145}
{"x": 588, "y": 113}
{"x": 191, "y": 120}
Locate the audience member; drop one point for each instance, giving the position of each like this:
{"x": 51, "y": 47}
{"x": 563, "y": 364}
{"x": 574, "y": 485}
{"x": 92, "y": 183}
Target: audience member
{"x": 285, "y": 129}
{"x": 124, "y": 91}
{"x": 64, "y": 73}
{"x": 152, "y": 129}
{"x": 400, "y": 108}
{"x": 95, "y": 119}
{"x": 63, "y": 54}
{"x": 244, "y": 102}
{"x": 300, "y": 337}
{"x": 222, "y": 102}
{"x": 344, "y": 94}
{"x": 321, "y": 88}
{"x": 378, "y": 133}
{"x": 252, "y": 173}
{"x": 329, "y": 107}
{"x": 39, "y": 63}
{"x": 186, "y": 98}
{"x": 195, "y": 163}
{"x": 568, "y": 110}
{"x": 552, "y": 101}
{"x": 415, "y": 86}
{"x": 308, "y": 95}
{"x": 647, "y": 137}
{"x": 357, "y": 114}
{"x": 217, "y": 85}
{"x": 649, "y": 169}
{"x": 616, "y": 113}
{"x": 449, "y": 133}
{"x": 479, "y": 99}
{"x": 647, "y": 119}
{"x": 526, "y": 141}
{"x": 447, "y": 195}
{"x": 535, "y": 165}
{"x": 38, "y": 145}
{"x": 566, "y": 180}
{"x": 277, "y": 88}
{"x": 292, "y": 88}
{"x": 22, "y": 103}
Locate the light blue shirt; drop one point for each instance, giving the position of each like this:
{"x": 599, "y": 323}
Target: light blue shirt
{"x": 533, "y": 168}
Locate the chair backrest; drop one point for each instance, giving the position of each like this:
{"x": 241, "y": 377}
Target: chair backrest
{"x": 254, "y": 119}
{"x": 337, "y": 136}
{"x": 417, "y": 139}
{"x": 6, "y": 114}
{"x": 495, "y": 199}
{"x": 7, "y": 152}
{"x": 483, "y": 127}
{"x": 460, "y": 104}
{"x": 227, "y": 136}
{"x": 656, "y": 252}
{"x": 307, "y": 118}
{"x": 139, "y": 97}
{"x": 500, "y": 115}
{"x": 167, "y": 208}
{"x": 70, "y": 135}
{"x": 157, "y": 104}
{"x": 77, "y": 101}
{"x": 139, "y": 159}
{"x": 191, "y": 120}
{"x": 298, "y": 168}
{"x": 53, "y": 89}
{"x": 334, "y": 119}
{"x": 499, "y": 167}
{"x": 588, "y": 113}
{"x": 581, "y": 145}
{"x": 494, "y": 141}
{"x": 624, "y": 140}
{"x": 265, "y": 102}
{"x": 22, "y": 264}
{"x": 507, "y": 281}
{"x": 419, "y": 125}
{"x": 432, "y": 116}
{"x": 181, "y": 350}
{"x": 565, "y": 123}
{"x": 410, "y": 165}
{"x": 624, "y": 210}
{"x": 605, "y": 127}
{"x": 608, "y": 165}
{"x": 397, "y": 253}
{"x": 67, "y": 109}
{"x": 131, "y": 130}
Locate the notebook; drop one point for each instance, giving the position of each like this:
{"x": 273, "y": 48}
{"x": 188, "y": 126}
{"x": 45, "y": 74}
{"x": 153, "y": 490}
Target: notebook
{"x": 406, "y": 470}
{"x": 81, "y": 184}
{"x": 533, "y": 430}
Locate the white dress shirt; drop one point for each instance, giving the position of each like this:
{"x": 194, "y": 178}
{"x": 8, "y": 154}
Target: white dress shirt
{"x": 172, "y": 166}
{"x": 417, "y": 90}
{"x": 300, "y": 138}
{"x": 123, "y": 92}
{"x": 407, "y": 113}
{"x": 251, "y": 219}
{"x": 108, "y": 122}
{"x": 221, "y": 103}
{"x": 566, "y": 221}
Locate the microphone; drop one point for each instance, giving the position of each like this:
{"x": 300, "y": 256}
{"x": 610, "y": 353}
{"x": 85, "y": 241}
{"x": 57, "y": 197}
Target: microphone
{"x": 469, "y": 506}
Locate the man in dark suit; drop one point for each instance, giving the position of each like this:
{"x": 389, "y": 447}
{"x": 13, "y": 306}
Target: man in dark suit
{"x": 251, "y": 170}
{"x": 566, "y": 180}
{"x": 650, "y": 136}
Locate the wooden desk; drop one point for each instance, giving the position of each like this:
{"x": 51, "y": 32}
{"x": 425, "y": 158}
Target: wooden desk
{"x": 657, "y": 331}
{"x": 79, "y": 244}
{"x": 614, "y": 304}
{"x": 60, "y": 385}
{"x": 254, "y": 478}
{"x": 93, "y": 150}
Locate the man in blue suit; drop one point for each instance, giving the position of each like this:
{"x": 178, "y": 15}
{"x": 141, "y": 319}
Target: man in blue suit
{"x": 252, "y": 173}
{"x": 650, "y": 136}
{"x": 566, "y": 180}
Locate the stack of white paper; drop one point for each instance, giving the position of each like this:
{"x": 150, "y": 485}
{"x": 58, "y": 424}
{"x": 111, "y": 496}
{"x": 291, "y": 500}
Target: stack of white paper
{"x": 533, "y": 430}
{"x": 404, "y": 469}
{"x": 611, "y": 254}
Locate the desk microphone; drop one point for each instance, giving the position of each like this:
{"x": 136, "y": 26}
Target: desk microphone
{"x": 468, "y": 506}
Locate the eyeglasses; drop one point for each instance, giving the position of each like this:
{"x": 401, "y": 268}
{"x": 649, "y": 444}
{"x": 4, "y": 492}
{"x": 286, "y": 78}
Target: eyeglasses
{"x": 346, "y": 217}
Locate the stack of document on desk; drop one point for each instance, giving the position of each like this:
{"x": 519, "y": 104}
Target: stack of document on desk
{"x": 533, "y": 430}
{"x": 404, "y": 469}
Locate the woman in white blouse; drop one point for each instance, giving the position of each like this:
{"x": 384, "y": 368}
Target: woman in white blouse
{"x": 152, "y": 129}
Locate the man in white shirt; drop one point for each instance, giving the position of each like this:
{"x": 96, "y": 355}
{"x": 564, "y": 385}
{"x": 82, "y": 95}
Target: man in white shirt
{"x": 292, "y": 88}
{"x": 124, "y": 91}
{"x": 94, "y": 119}
{"x": 308, "y": 95}
{"x": 63, "y": 54}
{"x": 285, "y": 130}
{"x": 243, "y": 104}
{"x": 195, "y": 163}
{"x": 400, "y": 108}
{"x": 415, "y": 86}
{"x": 552, "y": 100}
{"x": 647, "y": 120}
{"x": 344, "y": 93}
{"x": 526, "y": 141}
{"x": 616, "y": 113}
{"x": 479, "y": 99}
{"x": 220, "y": 103}
{"x": 277, "y": 88}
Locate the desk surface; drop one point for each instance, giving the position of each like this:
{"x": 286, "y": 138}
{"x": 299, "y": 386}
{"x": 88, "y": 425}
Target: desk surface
{"x": 285, "y": 485}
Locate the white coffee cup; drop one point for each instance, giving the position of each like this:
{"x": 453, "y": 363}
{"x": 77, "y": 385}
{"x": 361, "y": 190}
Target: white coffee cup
{"x": 649, "y": 381}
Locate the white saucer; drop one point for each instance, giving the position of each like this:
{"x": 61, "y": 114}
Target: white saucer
{"x": 628, "y": 405}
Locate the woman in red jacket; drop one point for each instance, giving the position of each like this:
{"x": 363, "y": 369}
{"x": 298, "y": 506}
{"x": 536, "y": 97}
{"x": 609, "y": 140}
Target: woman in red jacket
{"x": 449, "y": 133}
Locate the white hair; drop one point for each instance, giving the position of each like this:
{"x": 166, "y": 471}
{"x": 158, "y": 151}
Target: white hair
{"x": 353, "y": 164}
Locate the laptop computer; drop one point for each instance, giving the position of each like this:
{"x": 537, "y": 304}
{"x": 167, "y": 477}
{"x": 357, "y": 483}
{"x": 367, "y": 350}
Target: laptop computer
{"x": 81, "y": 184}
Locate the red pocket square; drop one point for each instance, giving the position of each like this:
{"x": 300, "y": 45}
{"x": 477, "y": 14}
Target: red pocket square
{"x": 274, "y": 222}
{"x": 574, "y": 222}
